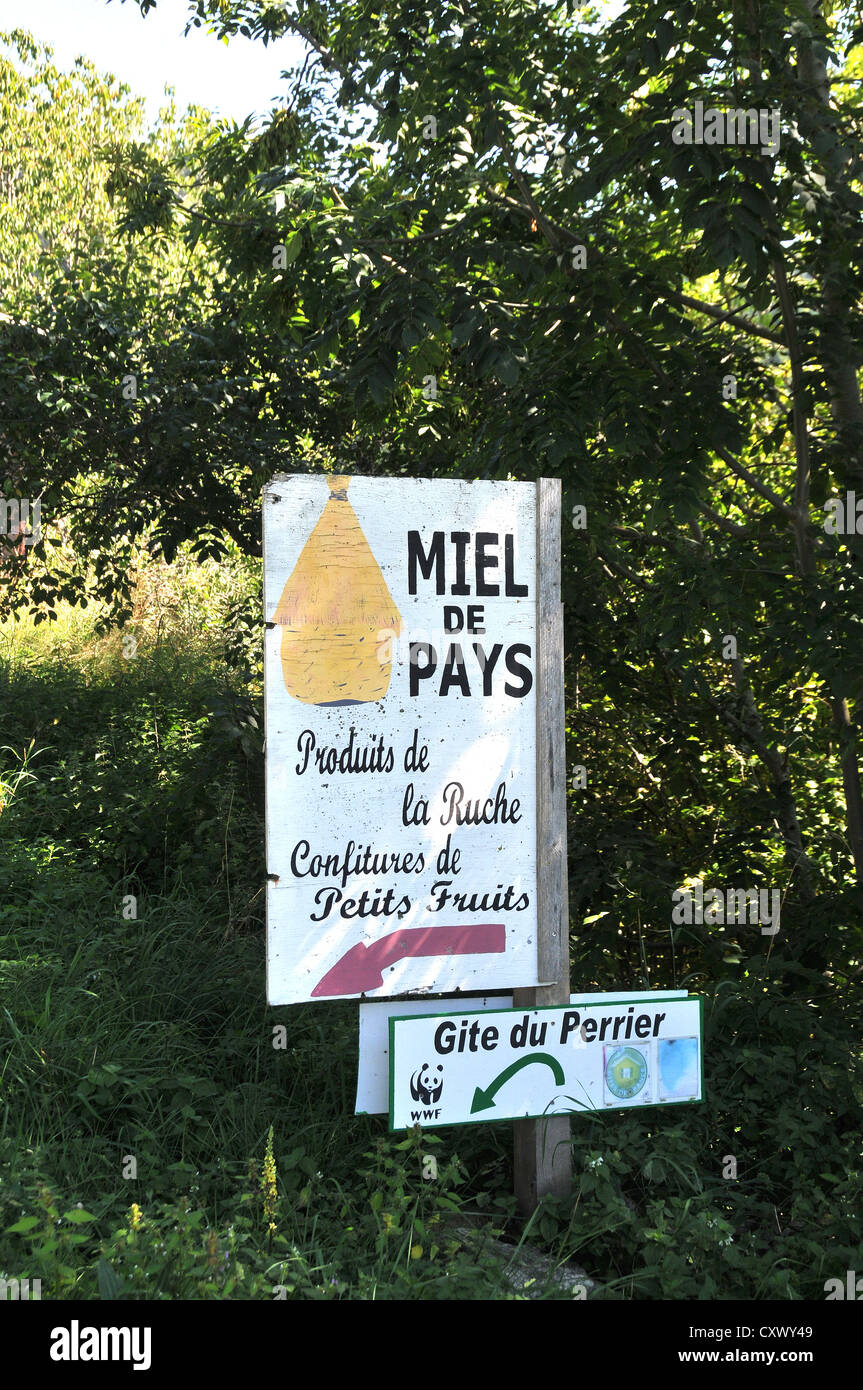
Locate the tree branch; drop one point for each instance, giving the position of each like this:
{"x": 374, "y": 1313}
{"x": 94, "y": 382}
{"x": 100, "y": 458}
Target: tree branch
{"x": 725, "y": 316}
{"x": 672, "y": 297}
{"x": 761, "y": 488}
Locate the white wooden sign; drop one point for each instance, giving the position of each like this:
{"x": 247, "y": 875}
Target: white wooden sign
{"x": 373, "y": 1072}
{"x": 516, "y": 1063}
{"x": 400, "y": 667}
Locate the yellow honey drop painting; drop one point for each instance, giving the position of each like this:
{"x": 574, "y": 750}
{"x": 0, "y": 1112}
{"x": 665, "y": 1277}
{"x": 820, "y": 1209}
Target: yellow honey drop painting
{"x": 336, "y": 613}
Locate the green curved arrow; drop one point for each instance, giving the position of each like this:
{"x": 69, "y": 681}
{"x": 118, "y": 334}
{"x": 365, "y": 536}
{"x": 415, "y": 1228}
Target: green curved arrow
{"x": 484, "y": 1099}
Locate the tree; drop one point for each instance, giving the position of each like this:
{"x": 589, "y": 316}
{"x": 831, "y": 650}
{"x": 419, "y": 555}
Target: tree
{"x": 470, "y": 243}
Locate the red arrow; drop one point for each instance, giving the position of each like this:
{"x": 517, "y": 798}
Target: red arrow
{"x": 361, "y": 968}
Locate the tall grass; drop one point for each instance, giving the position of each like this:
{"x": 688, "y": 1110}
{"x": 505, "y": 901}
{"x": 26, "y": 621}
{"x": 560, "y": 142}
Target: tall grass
{"x": 134, "y": 1031}
{"x": 139, "y": 1079}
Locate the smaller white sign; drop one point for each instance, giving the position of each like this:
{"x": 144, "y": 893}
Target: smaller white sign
{"x": 460, "y": 1068}
{"x": 373, "y": 1072}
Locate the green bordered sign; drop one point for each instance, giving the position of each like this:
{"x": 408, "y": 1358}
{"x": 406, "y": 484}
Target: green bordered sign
{"x": 455, "y": 1069}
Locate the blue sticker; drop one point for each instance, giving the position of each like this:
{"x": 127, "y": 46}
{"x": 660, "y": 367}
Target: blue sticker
{"x": 678, "y": 1068}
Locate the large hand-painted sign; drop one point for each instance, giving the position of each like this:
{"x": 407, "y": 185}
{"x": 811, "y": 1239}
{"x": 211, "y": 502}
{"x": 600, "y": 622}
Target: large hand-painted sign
{"x": 400, "y": 668}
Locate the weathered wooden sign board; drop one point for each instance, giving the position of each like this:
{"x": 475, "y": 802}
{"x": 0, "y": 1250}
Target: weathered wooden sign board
{"x": 401, "y": 733}
{"x": 448, "y": 1069}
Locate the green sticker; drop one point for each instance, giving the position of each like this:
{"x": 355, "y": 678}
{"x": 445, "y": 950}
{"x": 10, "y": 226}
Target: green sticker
{"x": 625, "y": 1072}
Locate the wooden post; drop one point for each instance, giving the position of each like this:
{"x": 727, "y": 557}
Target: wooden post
{"x": 543, "y": 1159}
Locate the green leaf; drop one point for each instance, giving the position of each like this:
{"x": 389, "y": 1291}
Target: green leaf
{"x": 293, "y": 246}
{"x": 21, "y": 1227}
{"x": 506, "y": 370}
{"x": 110, "y": 1285}
{"x": 412, "y": 334}
{"x": 464, "y": 329}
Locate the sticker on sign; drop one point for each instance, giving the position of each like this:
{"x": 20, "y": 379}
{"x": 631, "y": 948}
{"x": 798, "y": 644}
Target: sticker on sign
{"x": 519, "y": 1063}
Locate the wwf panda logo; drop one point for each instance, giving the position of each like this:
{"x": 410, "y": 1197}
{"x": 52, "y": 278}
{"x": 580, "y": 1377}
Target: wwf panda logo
{"x": 426, "y": 1085}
